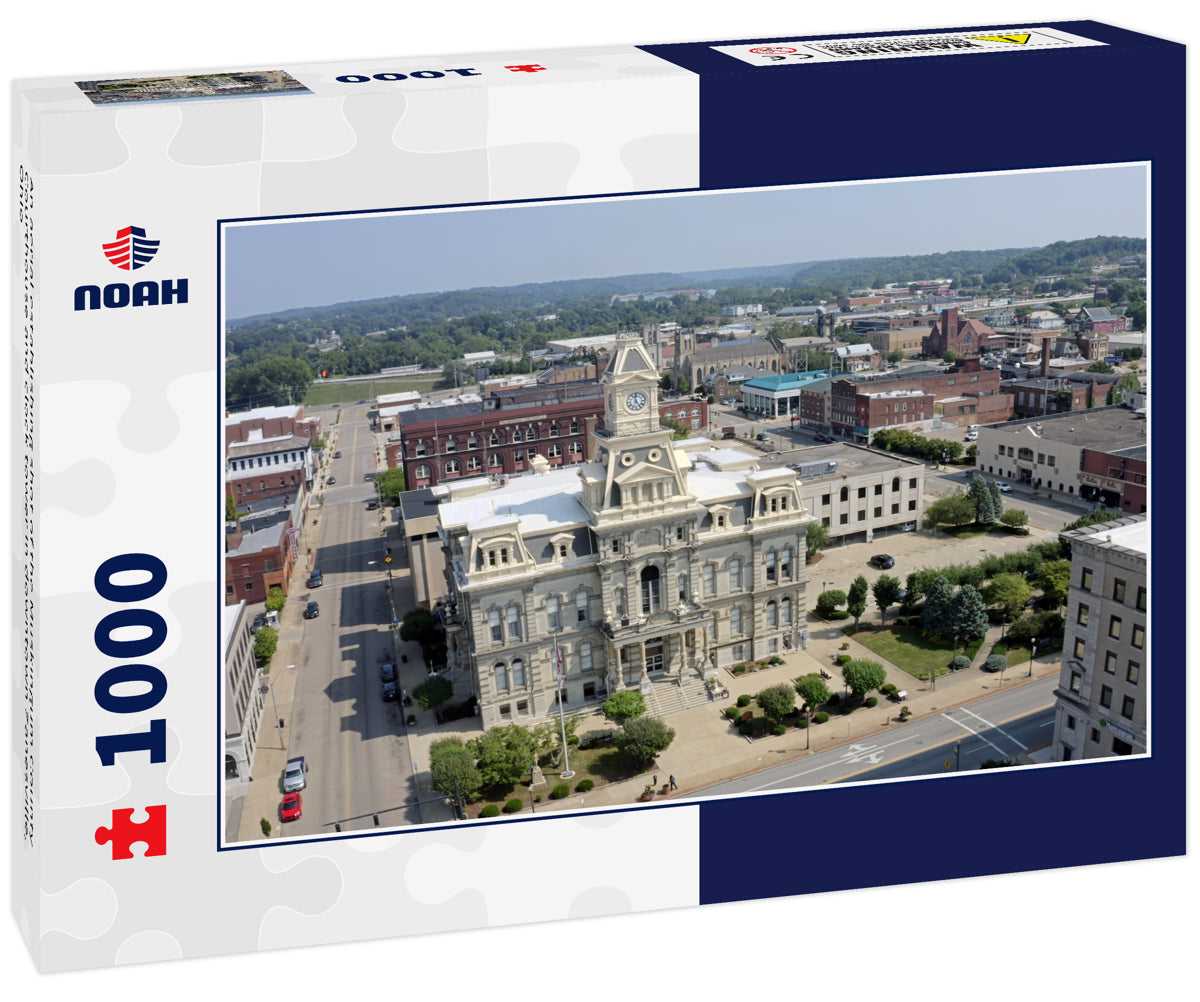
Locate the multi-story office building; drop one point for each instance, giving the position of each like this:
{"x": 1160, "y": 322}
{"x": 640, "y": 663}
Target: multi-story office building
{"x": 1103, "y": 689}
{"x": 636, "y": 568}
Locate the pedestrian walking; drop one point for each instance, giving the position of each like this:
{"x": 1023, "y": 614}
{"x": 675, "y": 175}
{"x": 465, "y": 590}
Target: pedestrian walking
{"x": 674, "y": 785}
{"x": 655, "y": 783}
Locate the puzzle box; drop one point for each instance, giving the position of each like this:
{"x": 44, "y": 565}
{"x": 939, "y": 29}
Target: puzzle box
{"x": 147, "y": 731}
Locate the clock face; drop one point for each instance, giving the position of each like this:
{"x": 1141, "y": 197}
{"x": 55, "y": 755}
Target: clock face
{"x": 635, "y": 401}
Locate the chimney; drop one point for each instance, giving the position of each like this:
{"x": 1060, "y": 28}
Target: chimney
{"x": 1045, "y": 356}
{"x": 949, "y": 327}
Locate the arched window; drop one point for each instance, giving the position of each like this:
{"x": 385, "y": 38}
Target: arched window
{"x": 772, "y": 614}
{"x": 453, "y": 466}
{"x": 785, "y": 611}
{"x": 474, "y": 463}
{"x": 424, "y": 472}
{"x": 895, "y": 483}
{"x": 495, "y": 438}
{"x": 501, "y": 674}
{"x": 555, "y": 451}
{"x": 651, "y": 592}
{"x": 576, "y": 448}
{"x": 845, "y": 494}
{"x": 495, "y": 459}
{"x": 518, "y": 673}
{"x": 516, "y": 434}
{"x": 735, "y": 573}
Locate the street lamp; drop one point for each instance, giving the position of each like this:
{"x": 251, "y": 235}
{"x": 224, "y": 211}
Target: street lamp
{"x": 1032, "y": 655}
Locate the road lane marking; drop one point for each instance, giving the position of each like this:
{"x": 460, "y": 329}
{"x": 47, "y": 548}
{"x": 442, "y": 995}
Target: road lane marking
{"x": 997, "y": 727}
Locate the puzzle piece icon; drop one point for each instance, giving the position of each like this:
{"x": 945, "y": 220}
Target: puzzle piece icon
{"x": 125, "y": 831}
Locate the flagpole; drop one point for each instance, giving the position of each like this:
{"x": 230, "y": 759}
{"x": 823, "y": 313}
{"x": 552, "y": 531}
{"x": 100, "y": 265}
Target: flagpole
{"x": 558, "y": 671}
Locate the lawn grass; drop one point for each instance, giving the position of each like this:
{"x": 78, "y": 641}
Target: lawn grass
{"x": 913, "y": 653}
{"x": 320, "y": 394}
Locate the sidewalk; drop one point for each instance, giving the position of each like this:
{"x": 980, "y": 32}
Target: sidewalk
{"x": 706, "y": 750}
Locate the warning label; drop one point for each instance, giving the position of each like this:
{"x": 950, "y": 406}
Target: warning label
{"x": 787, "y": 53}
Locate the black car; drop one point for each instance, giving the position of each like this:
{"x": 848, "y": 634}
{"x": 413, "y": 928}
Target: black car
{"x": 390, "y": 692}
{"x": 882, "y": 561}
{"x": 315, "y": 579}
{"x": 387, "y": 673}
{"x": 338, "y": 454}
{"x": 372, "y": 505}
{"x": 259, "y": 622}
{"x": 312, "y": 610}
{"x": 331, "y": 480}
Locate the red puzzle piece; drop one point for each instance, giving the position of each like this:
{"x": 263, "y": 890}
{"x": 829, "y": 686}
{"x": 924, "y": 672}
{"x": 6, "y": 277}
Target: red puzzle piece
{"x": 124, "y": 832}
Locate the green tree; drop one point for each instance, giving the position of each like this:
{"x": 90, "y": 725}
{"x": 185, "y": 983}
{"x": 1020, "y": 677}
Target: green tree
{"x": 856, "y": 599}
{"x": 777, "y": 701}
{"x": 265, "y": 642}
{"x": 816, "y": 538}
{"x": 504, "y": 754}
{"x": 434, "y": 691}
{"x": 828, "y": 602}
{"x": 1055, "y": 581}
{"x": 968, "y": 614}
{"x": 1010, "y": 592}
{"x": 861, "y": 676}
{"x": 391, "y": 485}
{"x": 230, "y": 508}
{"x": 1014, "y": 518}
{"x": 450, "y": 760}
{"x": 420, "y": 626}
{"x": 954, "y": 509}
{"x": 645, "y": 737}
{"x": 813, "y": 690}
{"x": 950, "y": 356}
{"x": 624, "y": 705}
{"x": 939, "y": 596}
{"x": 886, "y": 590}
{"x": 276, "y": 599}
{"x": 682, "y": 384}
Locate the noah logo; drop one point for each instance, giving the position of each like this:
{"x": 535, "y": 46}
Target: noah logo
{"x": 131, "y": 250}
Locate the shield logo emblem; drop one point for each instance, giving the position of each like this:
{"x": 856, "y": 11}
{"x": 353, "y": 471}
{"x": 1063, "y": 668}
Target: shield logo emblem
{"x": 131, "y": 250}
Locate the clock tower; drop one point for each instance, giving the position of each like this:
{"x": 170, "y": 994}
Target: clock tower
{"x": 631, "y": 391}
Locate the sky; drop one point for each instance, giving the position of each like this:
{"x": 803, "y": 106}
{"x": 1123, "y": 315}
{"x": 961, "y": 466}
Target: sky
{"x": 316, "y": 262}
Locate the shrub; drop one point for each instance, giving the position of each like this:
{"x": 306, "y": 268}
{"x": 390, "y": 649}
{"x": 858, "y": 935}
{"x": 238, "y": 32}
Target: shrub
{"x": 778, "y": 729}
{"x": 743, "y": 700}
{"x": 560, "y": 791}
{"x": 960, "y": 662}
{"x": 847, "y": 708}
{"x": 995, "y": 662}
{"x": 584, "y": 786}
{"x": 834, "y": 699}
{"x": 821, "y": 717}
{"x": 513, "y": 806}
{"x": 870, "y": 701}
{"x": 746, "y": 728}
{"x": 802, "y": 722}
{"x": 844, "y": 659}
{"x": 888, "y": 689}
{"x": 490, "y": 811}
{"x": 738, "y": 669}
{"x": 774, "y": 659}
{"x": 732, "y": 713}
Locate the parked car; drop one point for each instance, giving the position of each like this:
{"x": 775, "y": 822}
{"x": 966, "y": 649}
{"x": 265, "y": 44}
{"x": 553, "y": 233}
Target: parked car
{"x": 1006, "y": 488}
{"x": 331, "y": 480}
{"x": 818, "y": 437}
{"x": 315, "y": 579}
{"x": 882, "y": 561}
{"x": 312, "y": 610}
{"x": 338, "y": 454}
{"x": 387, "y": 673}
{"x": 372, "y": 505}
{"x": 259, "y": 622}
{"x": 293, "y": 775}
{"x": 390, "y": 692}
{"x": 293, "y": 807}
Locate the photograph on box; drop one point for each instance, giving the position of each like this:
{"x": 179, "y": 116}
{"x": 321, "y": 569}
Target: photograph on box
{"x": 601, "y": 503}
{"x": 191, "y": 87}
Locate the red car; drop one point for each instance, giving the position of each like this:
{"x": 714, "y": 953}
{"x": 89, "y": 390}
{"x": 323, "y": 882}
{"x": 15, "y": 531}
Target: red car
{"x": 291, "y": 807}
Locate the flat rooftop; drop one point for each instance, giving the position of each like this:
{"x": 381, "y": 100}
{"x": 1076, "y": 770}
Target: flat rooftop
{"x": 1107, "y": 429}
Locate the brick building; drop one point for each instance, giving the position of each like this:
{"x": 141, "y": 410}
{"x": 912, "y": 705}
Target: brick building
{"x": 857, "y": 409}
{"x": 963, "y": 335}
{"x": 260, "y": 552}
{"x": 1116, "y": 478}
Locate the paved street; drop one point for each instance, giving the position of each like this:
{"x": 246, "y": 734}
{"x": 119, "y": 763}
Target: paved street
{"x": 364, "y": 759}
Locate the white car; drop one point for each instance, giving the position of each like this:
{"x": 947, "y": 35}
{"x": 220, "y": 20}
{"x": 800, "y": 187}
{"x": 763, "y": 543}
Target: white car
{"x": 1006, "y": 488}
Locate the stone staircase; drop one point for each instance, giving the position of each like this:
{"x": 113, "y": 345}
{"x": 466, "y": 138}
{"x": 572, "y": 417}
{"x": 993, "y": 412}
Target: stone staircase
{"x": 669, "y": 696}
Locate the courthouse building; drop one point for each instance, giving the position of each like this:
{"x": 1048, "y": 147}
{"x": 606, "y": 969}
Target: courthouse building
{"x": 642, "y": 568}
